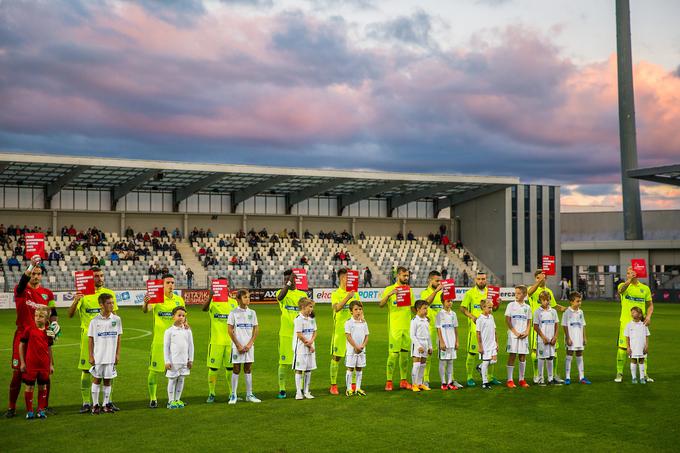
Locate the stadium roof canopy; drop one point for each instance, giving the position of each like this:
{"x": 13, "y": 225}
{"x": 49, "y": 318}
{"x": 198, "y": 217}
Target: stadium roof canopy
{"x": 183, "y": 179}
{"x": 669, "y": 174}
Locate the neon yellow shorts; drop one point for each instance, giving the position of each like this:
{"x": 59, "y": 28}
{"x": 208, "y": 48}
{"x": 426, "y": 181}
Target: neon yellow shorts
{"x": 400, "y": 340}
{"x": 285, "y": 350}
{"x": 218, "y": 356}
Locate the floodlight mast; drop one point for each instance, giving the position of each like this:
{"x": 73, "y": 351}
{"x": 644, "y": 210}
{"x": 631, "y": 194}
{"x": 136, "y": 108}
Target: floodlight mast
{"x": 630, "y": 187}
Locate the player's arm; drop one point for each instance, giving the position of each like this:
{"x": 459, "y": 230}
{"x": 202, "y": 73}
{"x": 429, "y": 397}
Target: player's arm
{"x": 585, "y": 339}
{"x": 286, "y": 286}
{"x": 363, "y": 345}
{"x": 528, "y": 329}
{"x": 455, "y": 332}
{"x": 22, "y": 355}
{"x": 232, "y": 335}
{"x": 386, "y": 297}
{"x": 191, "y": 349}
{"x": 256, "y": 331}
{"x": 532, "y": 289}
{"x": 74, "y": 305}
{"x": 350, "y": 340}
{"x": 480, "y": 345}
{"x": 167, "y": 356}
{"x": 206, "y": 304}
{"x": 145, "y": 305}
{"x": 646, "y": 344}
{"x": 431, "y": 297}
{"x": 338, "y": 306}
{"x": 508, "y": 322}
{"x": 440, "y": 337}
{"x": 464, "y": 307}
{"x": 623, "y": 287}
{"x": 90, "y": 348}
{"x": 567, "y": 337}
{"x": 117, "y": 350}
{"x": 49, "y": 352}
{"x": 650, "y": 310}
{"x": 628, "y": 344}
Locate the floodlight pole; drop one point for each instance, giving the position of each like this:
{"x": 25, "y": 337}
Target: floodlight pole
{"x": 630, "y": 187}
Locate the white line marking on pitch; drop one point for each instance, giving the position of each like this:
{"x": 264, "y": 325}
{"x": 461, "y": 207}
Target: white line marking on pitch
{"x": 145, "y": 333}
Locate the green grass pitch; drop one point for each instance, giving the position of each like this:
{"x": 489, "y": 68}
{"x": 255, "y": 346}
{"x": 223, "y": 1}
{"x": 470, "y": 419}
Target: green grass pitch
{"x": 602, "y": 417}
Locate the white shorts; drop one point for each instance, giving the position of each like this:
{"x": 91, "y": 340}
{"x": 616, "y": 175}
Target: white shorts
{"x": 107, "y": 371}
{"x": 516, "y": 345}
{"x": 416, "y": 353}
{"x": 544, "y": 351}
{"x": 575, "y": 347}
{"x": 355, "y": 360}
{"x": 447, "y": 354}
{"x": 489, "y": 354}
{"x": 177, "y": 370}
{"x": 248, "y": 357}
{"x": 305, "y": 362}
{"x": 637, "y": 355}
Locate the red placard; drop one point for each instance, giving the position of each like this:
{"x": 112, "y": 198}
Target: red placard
{"x": 301, "y": 281}
{"x": 448, "y": 289}
{"x": 85, "y": 282}
{"x": 220, "y": 289}
{"x": 549, "y": 264}
{"x": 640, "y": 267}
{"x": 494, "y": 295}
{"x": 35, "y": 245}
{"x": 403, "y": 296}
{"x": 154, "y": 289}
{"x": 352, "y": 281}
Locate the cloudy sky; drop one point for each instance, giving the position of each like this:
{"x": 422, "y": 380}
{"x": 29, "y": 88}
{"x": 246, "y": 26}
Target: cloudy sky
{"x": 499, "y": 87}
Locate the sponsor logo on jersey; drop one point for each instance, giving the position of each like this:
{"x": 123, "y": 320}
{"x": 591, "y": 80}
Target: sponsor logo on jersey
{"x": 93, "y": 310}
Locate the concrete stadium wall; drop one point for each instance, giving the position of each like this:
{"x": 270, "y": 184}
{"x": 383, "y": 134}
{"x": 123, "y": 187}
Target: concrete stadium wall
{"x": 589, "y": 226}
{"x": 42, "y": 219}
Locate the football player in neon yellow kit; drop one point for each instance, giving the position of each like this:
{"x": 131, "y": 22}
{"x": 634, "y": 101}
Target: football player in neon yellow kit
{"x": 398, "y": 326}
{"x": 433, "y": 296}
{"x": 340, "y": 299}
{"x": 472, "y": 309}
{"x": 162, "y": 320}
{"x": 288, "y": 297}
{"x": 534, "y": 291}
{"x": 87, "y": 307}
{"x": 219, "y": 343}
{"x": 633, "y": 293}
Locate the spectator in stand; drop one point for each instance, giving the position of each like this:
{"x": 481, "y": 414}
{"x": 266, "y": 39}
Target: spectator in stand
{"x": 362, "y": 236}
{"x": 459, "y": 244}
{"x": 258, "y": 274}
{"x": 442, "y": 229}
{"x": 201, "y": 251}
{"x": 445, "y": 273}
{"x": 256, "y": 257}
{"x": 252, "y": 241}
{"x": 252, "y": 278}
{"x": 209, "y": 233}
{"x": 165, "y": 270}
{"x": 130, "y": 255}
{"x": 342, "y": 256}
{"x": 156, "y": 233}
{"x": 368, "y": 277}
{"x": 466, "y": 278}
{"x": 18, "y": 251}
{"x": 466, "y": 258}
{"x": 164, "y": 233}
{"x": 13, "y": 261}
{"x": 241, "y": 234}
{"x": 410, "y": 236}
{"x": 272, "y": 252}
{"x": 129, "y": 232}
{"x": 177, "y": 257}
{"x": 190, "y": 277}
{"x": 221, "y": 243}
{"x": 274, "y": 239}
{"x": 293, "y": 234}
{"x": 176, "y": 234}
{"x": 173, "y": 246}
{"x": 322, "y": 235}
{"x": 334, "y": 278}
{"x": 445, "y": 243}
{"x": 115, "y": 258}
{"x": 263, "y": 233}
{"x": 303, "y": 260}
{"x": 72, "y": 231}
{"x": 400, "y": 236}
{"x": 146, "y": 237}
{"x": 54, "y": 256}
{"x": 165, "y": 247}
{"x": 296, "y": 244}
{"x": 234, "y": 260}
{"x": 64, "y": 232}
{"x": 154, "y": 271}
{"x": 307, "y": 234}
{"x": 93, "y": 261}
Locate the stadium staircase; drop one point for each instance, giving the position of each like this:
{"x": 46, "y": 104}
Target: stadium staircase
{"x": 191, "y": 261}
{"x": 379, "y": 277}
{"x": 474, "y": 265}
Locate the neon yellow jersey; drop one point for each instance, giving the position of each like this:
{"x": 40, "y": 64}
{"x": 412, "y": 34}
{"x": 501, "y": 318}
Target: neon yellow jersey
{"x": 289, "y": 310}
{"x": 435, "y": 307}
{"x": 635, "y": 296}
{"x": 340, "y": 317}
{"x": 535, "y": 303}
{"x": 88, "y": 306}
{"x": 399, "y": 317}
{"x": 472, "y": 301}
{"x": 219, "y": 312}
{"x": 162, "y": 316}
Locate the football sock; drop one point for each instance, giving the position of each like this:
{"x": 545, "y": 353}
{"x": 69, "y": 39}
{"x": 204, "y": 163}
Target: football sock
{"x": 579, "y": 365}
{"x": 450, "y": 371}
{"x": 360, "y": 374}
{"x": 633, "y": 370}
{"x": 485, "y": 371}
{"x": 540, "y": 368}
{"x": 391, "y": 363}
{"x": 426, "y": 373}
{"x": 85, "y": 384}
{"x": 172, "y": 383}
{"x": 421, "y": 373}
{"x": 249, "y": 383}
{"x": 107, "y": 394}
{"x": 348, "y": 379}
{"x": 228, "y": 374}
{"x": 641, "y": 366}
{"x": 470, "y": 365}
{"x": 298, "y": 382}
{"x": 212, "y": 381}
{"x": 534, "y": 363}
{"x": 549, "y": 364}
{"x": 334, "y": 372}
{"x": 234, "y": 384}
{"x": 522, "y": 367}
{"x": 42, "y": 398}
{"x": 511, "y": 369}
{"x": 95, "y": 394}
{"x": 405, "y": 360}
{"x": 621, "y": 356}
{"x": 179, "y": 386}
{"x": 442, "y": 372}
{"x": 415, "y": 373}
{"x": 28, "y": 397}
{"x": 47, "y": 394}
{"x": 152, "y": 383}
{"x": 567, "y": 367}
{"x": 14, "y": 389}
{"x": 283, "y": 369}
{"x": 308, "y": 380}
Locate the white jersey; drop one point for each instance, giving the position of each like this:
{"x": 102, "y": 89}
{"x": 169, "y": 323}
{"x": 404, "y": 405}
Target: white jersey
{"x": 575, "y": 321}
{"x": 637, "y": 332}
{"x": 358, "y": 330}
{"x": 305, "y": 326}
{"x": 104, "y": 333}
{"x": 447, "y": 321}
{"x": 243, "y": 320}
{"x": 547, "y": 322}
{"x": 420, "y": 333}
{"x": 178, "y": 346}
{"x": 519, "y": 315}
{"x": 486, "y": 326}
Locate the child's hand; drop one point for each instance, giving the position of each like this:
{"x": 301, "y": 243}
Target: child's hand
{"x": 51, "y": 369}
{"x": 189, "y": 364}
{"x": 553, "y": 341}
{"x": 481, "y": 351}
{"x": 494, "y": 358}
{"x": 545, "y": 340}
{"x": 429, "y": 351}
{"x": 645, "y": 350}
{"x": 117, "y": 359}
{"x": 629, "y": 351}
{"x": 91, "y": 360}
{"x": 570, "y": 343}
{"x": 311, "y": 348}
{"x": 22, "y": 367}
{"x": 146, "y": 299}
{"x": 168, "y": 366}
{"x": 585, "y": 342}
{"x": 421, "y": 349}
{"x": 456, "y": 344}
{"x": 442, "y": 347}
